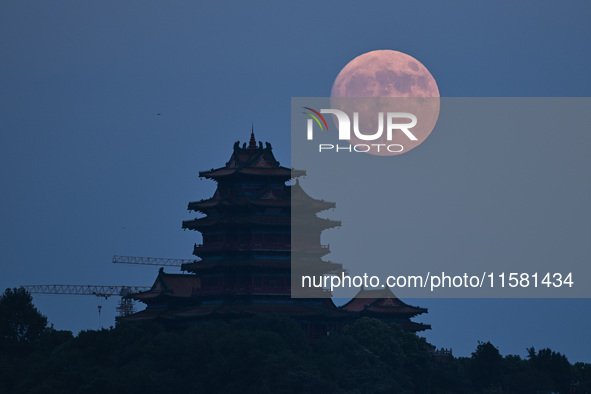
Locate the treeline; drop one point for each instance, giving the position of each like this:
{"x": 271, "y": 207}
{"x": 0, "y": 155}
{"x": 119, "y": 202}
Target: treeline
{"x": 258, "y": 355}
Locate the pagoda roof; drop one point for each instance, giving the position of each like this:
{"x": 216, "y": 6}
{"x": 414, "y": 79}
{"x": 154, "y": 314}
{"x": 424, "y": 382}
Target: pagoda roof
{"x": 381, "y": 301}
{"x": 262, "y": 220}
{"x": 268, "y": 197}
{"x": 226, "y": 172}
{"x": 414, "y": 327}
{"x": 252, "y": 161}
{"x": 283, "y": 264}
{"x": 286, "y": 307}
{"x": 296, "y": 308}
{"x": 308, "y": 308}
{"x": 300, "y": 198}
{"x": 142, "y": 315}
{"x": 174, "y": 285}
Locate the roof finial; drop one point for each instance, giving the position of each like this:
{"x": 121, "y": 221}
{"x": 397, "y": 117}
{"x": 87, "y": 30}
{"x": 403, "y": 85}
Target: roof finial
{"x": 252, "y": 144}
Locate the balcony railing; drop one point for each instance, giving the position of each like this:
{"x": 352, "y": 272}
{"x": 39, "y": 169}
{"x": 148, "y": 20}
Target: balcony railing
{"x": 257, "y": 246}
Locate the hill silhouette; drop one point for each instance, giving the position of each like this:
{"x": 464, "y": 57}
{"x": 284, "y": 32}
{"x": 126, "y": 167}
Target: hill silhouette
{"x": 269, "y": 354}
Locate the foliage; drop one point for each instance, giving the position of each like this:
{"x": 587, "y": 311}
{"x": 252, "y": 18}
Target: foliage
{"x": 267, "y": 354}
{"x": 486, "y": 367}
{"x": 20, "y": 322}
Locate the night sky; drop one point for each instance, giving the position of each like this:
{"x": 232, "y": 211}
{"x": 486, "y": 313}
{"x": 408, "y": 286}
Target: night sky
{"x": 109, "y": 110}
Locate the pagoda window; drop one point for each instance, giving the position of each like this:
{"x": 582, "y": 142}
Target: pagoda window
{"x": 243, "y": 283}
{"x": 212, "y": 283}
{"x": 229, "y": 282}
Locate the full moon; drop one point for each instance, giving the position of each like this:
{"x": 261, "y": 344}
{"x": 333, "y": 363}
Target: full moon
{"x": 396, "y": 80}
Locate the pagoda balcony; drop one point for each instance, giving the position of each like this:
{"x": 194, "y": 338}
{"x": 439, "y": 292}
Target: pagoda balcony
{"x": 257, "y": 246}
{"x": 243, "y": 291}
{"x": 257, "y": 291}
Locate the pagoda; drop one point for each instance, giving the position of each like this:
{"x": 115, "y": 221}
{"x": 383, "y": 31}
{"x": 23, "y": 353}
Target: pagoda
{"x": 244, "y": 264}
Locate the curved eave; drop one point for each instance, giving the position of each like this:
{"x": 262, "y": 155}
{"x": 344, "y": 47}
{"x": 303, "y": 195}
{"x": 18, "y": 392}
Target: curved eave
{"x": 141, "y": 315}
{"x": 313, "y": 205}
{"x": 225, "y": 172}
{"x": 415, "y": 327}
{"x": 385, "y": 312}
{"x": 282, "y": 221}
{"x": 198, "y": 206}
{"x": 151, "y": 296}
{"x": 202, "y": 206}
{"x": 318, "y": 223}
{"x": 202, "y": 265}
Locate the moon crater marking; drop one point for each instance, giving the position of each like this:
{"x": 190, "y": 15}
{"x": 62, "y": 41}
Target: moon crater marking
{"x": 388, "y": 74}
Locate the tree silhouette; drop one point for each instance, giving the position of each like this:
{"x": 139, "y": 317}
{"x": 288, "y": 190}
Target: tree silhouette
{"x": 553, "y": 367}
{"x": 20, "y": 322}
{"x": 264, "y": 354}
{"x": 486, "y": 366}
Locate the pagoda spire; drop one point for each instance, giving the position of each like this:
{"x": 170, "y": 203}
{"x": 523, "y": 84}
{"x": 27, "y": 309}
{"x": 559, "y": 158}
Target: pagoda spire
{"x": 252, "y": 144}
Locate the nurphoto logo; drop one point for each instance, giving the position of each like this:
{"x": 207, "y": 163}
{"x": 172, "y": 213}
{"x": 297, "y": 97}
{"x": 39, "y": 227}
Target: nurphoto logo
{"x": 396, "y": 122}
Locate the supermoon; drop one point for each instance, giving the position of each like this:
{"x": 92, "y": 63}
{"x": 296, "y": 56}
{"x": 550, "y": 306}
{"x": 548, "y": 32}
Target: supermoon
{"x": 397, "y": 83}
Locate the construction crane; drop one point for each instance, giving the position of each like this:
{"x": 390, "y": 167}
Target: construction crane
{"x": 151, "y": 261}
{"x": 125, "y": 307}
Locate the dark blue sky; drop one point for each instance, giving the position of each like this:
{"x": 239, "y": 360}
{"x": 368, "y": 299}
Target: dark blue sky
{"x": 89, "y": 169}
